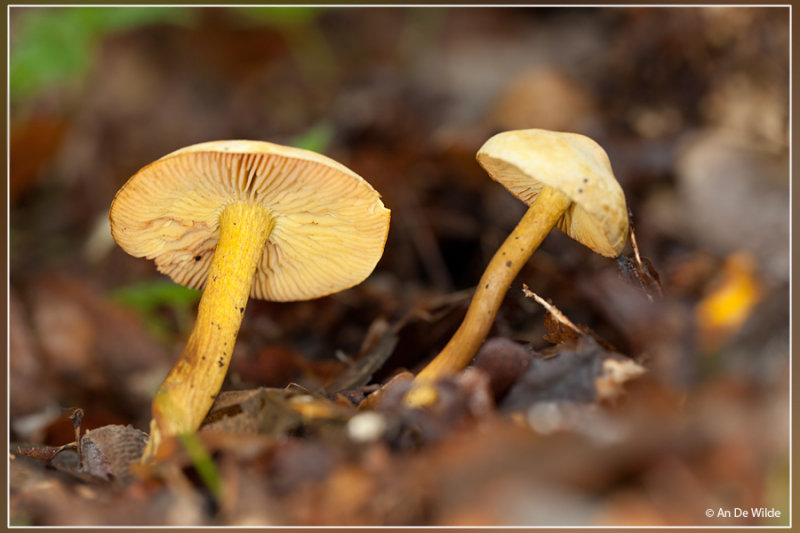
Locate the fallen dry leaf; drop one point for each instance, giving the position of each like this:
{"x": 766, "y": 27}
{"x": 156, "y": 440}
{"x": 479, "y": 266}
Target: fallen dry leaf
{"x": 581, "y": 372}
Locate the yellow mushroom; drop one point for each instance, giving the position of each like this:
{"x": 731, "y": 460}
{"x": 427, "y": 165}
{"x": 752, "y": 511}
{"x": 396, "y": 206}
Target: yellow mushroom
{"x": 238, "y": 219}
{"x": 567, "y": 181}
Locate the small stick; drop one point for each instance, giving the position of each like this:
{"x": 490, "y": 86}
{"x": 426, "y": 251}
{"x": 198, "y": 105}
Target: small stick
{"x": 633, "y": 241}
{"x": 77, "y": 418}
{"x": 636, "y": 249}
{"x": 642, "y": 268}
{"x": 639, "y": 262}
{"x": 552, "y": 309}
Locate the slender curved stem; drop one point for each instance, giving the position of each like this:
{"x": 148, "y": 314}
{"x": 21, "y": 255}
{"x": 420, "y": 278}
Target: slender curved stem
{"x": 548, "y": 206}
{"x": 190, "y": 388}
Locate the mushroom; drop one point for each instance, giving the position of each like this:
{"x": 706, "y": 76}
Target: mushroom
{"x": 241, "y": 218}
{"x": 567, "y": 181}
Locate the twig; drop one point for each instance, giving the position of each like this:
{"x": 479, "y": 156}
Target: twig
{"x": 643, "y": 269}
{"x": 77, "y": 418}
{"x": 636, "y": 249}
{"x": 552, "y": 309}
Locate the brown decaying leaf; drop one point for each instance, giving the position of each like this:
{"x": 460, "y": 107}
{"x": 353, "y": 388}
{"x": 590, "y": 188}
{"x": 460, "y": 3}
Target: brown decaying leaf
{"x": 561, "y": 329}
{"x": 78, "y": 332}
{"x": 104, "y": 453}
{"x": 34, "y": 143}
{"x": 378, "y": 345}
{"x": 645, "y": 271}
{"x": 43, "y": 453}
{"x": 273, "y": 412}
{"x": 557, "y": 331}
{"x": 613, "y": 375}
{"x": 582, "y": 372}
{"x": 642, "y": 274}
{"x": 108, "y": 451}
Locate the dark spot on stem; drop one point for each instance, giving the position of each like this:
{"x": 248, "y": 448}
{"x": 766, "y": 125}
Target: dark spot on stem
{"x": 508, "y": 264}
{"x": 586, "y": 180}
{"x": 220, "y": 362}
{"x": 486, "y": 286}
{"x": 241, "y": 309}
{"x": 197, "y": 258}
{"x": 580, "y": 190}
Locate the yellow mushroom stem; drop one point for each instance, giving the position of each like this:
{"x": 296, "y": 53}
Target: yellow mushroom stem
{"x": 191, "y": 387}
{"x": 542, "y": 215}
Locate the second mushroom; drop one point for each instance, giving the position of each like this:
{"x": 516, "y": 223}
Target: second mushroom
{"x": 567, "y": 181}
{"x": 240, "y": 219}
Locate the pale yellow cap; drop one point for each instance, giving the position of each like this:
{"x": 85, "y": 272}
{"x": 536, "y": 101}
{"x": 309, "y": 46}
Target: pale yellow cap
{"x": 525, "y": 161}
{"x": 330, "y": 224}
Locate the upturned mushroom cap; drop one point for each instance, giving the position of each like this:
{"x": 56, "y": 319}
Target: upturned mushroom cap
{"x": 330, "y": 224}
{"x": 525, "y": 161}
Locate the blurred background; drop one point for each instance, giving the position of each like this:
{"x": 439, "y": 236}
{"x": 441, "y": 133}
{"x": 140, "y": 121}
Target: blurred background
{"x": 691, "y": 104}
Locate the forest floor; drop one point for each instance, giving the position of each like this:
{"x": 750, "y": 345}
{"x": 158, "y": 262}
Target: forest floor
{"x": 669, "y": 407}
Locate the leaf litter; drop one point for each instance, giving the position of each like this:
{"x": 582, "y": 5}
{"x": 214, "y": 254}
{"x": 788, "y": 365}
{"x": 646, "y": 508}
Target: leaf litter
{"x": 551, "y": 424}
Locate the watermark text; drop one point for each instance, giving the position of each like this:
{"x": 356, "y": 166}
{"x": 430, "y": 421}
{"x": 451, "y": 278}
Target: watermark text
{"x": 742, "y": 512}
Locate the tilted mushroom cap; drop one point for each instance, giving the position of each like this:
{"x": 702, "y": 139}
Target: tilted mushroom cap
{"x": 525, "y": 161}
{"x": 330, "y": 224}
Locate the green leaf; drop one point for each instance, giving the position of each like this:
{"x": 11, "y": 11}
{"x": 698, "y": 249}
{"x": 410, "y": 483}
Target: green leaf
{"x": 149, "y": 296}
{"x": 203, "y": 463}
{"x": 56, "y": 45}
{"x": 316, "y": 139}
